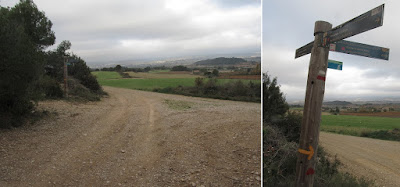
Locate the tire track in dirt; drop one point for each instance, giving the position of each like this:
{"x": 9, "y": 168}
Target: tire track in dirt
{"x": 374, "y": 159}
{"x": 132, "y": 138}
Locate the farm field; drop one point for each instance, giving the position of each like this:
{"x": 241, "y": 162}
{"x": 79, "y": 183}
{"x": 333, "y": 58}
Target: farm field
{"x": 106, "y": 75}
{"x": 375, "y": 114}
{"x": 162, "y": 75}
{"x": 357, "y": 125}
{"x": 151, "y": 80}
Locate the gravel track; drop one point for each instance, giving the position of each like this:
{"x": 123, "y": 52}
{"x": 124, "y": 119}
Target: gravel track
{"x": 376, "y": 160}
{"x": 133, "y": 138}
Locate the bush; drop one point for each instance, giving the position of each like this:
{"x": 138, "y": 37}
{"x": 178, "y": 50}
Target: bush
{"x": 50, "y": 88}
{"x": 79, "y": 92}
{"x": 274, "y": 103}
{"x": 290, "y": 126}
{"x": 237, "y": 91}
{"x": 393, "y": 135}
{"x": 279, "y": 163}
{"x": 180, "y": 68}
{"x": 199, "y": 82}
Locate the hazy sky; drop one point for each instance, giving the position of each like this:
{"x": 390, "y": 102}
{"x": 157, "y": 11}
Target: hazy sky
{"x": 288, "y": 25}
{"x": 107, "y": 31}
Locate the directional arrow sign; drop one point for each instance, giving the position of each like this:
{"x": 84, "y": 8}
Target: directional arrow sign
{"x": 349, "y": 47}
{"x": 304, "y": 50}
{"x": 333, "y": 64}
{"x": 360, "y": 49}
{"x": 362, "y": 23}
{"x": 310, "y": 153}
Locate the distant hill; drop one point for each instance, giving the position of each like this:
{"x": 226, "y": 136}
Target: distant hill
{"x": 254, "y": 59}
{"x": 337, "y": 103}
{"x": 220, "y": 61}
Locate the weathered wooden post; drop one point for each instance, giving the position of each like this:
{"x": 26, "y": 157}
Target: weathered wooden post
{"x": 65, "y": 76}
{"x": 312, "y": 106}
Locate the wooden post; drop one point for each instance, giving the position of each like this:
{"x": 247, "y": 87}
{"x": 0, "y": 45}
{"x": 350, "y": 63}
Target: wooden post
{"x": 309, "y": 136}
{"x": 65, "y": 76}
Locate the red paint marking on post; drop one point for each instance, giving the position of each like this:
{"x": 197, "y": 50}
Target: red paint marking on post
{"x": 310, "y": 171}
{"x": 321, "y": 78}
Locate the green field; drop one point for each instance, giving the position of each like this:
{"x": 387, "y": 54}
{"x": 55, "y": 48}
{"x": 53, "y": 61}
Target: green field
{"x": 358, "y": 125}
{"x": 148, "y": 84}
{"x": 100, "y": 75}
{"x": 161, "y": 75}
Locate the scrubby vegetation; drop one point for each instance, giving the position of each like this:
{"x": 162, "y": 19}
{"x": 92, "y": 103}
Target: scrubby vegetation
{"x": 281, "y": 133}
{"x": 236, "y": 90}
{"x": 29, "y": 73}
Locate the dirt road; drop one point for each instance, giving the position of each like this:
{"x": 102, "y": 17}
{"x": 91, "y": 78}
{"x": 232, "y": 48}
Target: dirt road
{"x": 377, "y": 160}
{"x": 135, "y": 138}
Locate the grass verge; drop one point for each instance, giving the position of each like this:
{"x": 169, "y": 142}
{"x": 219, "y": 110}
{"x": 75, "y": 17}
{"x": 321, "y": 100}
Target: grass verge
{"x": 178, "y": 105}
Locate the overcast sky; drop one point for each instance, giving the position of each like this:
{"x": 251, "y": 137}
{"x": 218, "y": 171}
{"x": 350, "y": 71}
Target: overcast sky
{"x": 288, "y": 25}
{"x": 108, "y": 31}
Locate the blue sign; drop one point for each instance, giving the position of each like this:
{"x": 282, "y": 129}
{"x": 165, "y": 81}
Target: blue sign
{"x": 333, "y": 64}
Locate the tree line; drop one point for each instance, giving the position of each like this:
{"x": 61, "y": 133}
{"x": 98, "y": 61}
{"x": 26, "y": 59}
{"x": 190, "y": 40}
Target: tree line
{"x": 29, "y": 73}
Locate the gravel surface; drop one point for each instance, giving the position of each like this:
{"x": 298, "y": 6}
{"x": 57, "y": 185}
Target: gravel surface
{"x": 376, "y": 160}
{"x": 136, "y": 138}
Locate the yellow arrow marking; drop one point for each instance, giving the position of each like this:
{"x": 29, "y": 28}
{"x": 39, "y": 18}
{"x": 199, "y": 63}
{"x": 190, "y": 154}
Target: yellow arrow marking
{"x": 310, "y": 153}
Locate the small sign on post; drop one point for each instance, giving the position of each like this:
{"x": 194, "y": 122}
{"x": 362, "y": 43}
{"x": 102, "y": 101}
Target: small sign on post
{"x": 333, "y": 64}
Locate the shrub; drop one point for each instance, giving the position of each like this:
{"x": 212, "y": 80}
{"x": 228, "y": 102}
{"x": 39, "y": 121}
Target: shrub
{"x": 180, "y": 68}
{"x": 393, "y": 135}
{"x": 79, "y": 92}
{"x": 274, "y": 103}
{"x": 199, "y": 82}
{"x": 50, "y": 88}
{"x": 289, "y": 125}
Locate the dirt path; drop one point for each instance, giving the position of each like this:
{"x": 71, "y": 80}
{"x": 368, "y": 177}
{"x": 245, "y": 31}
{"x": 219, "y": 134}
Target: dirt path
{"x": 377, "y": 160}
{"x": 134, "y": 138}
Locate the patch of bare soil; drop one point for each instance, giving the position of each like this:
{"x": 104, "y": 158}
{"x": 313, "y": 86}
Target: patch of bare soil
{"x": 135, "y": 138}
{"x": 376, "y": 160}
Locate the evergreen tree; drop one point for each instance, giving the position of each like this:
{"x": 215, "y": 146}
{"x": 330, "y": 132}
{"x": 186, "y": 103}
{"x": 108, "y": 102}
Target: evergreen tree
{"x": 274, "y": 103}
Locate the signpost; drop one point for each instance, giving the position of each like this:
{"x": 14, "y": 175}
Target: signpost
{"x": 65, "y": 76}
{"x": 327, "y": 39}
{"x": 67, "y": 62}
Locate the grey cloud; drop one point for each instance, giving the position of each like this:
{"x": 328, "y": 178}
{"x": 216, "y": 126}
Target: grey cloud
{"x": 118, "y": 30}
